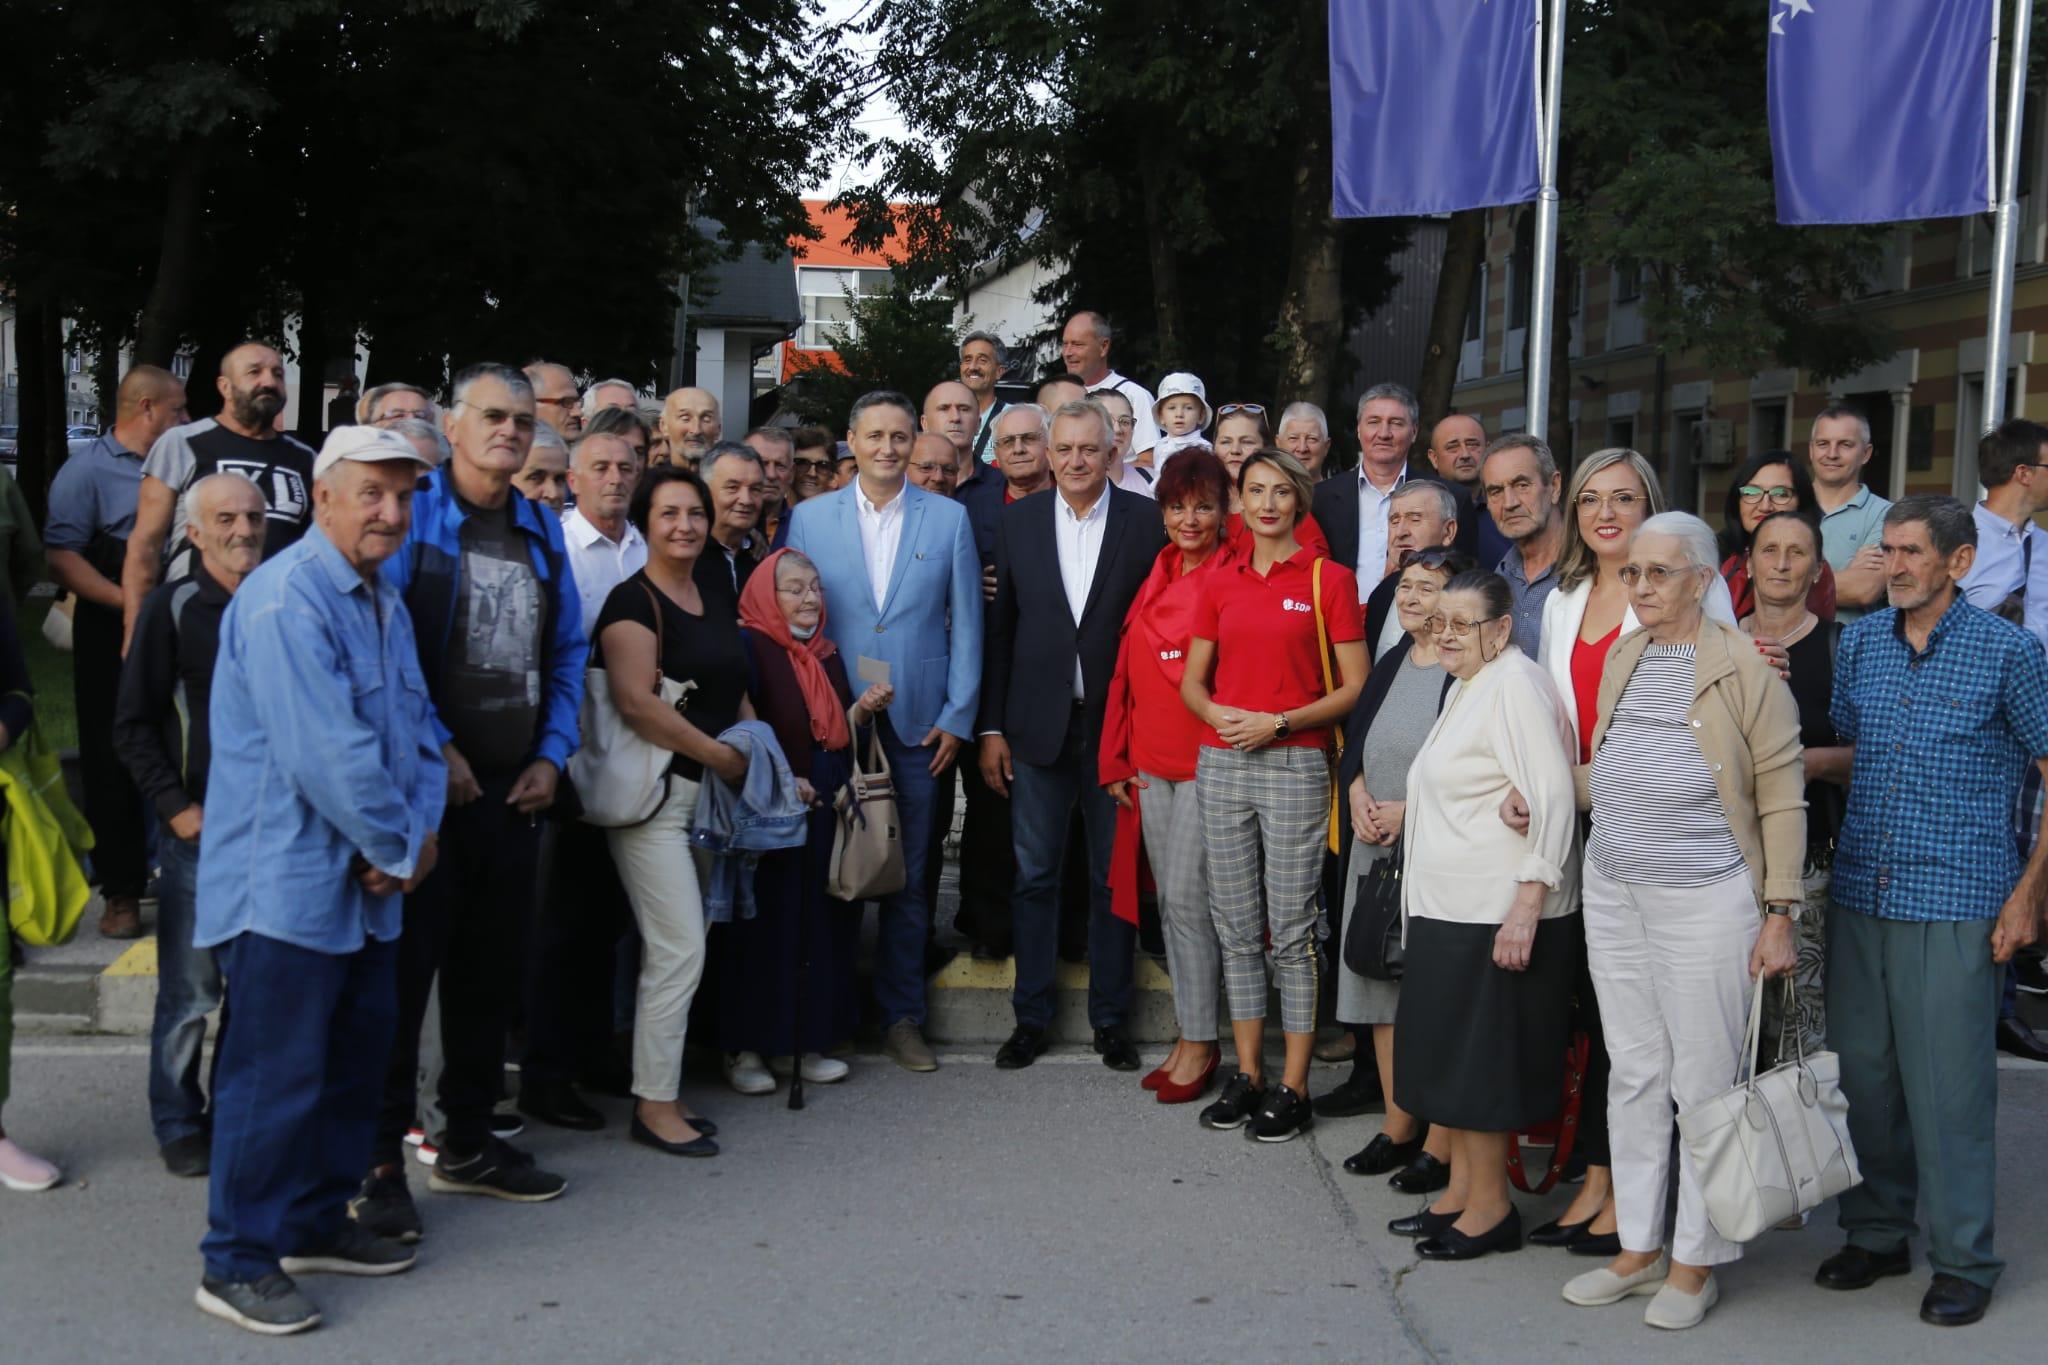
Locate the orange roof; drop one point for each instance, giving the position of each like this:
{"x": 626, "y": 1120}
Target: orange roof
{"x": 831, "y": 249}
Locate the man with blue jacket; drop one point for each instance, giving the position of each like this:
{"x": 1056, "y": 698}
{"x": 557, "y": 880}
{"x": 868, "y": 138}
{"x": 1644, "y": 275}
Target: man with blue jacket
{"x": 903, "y": 597}
{"x": 485, "y": 574}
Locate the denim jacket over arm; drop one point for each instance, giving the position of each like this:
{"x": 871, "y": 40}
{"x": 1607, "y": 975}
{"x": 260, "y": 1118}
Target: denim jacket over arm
{"x": 736, "y": 825}
{"x": 323, "y": 748}
{"x": 427, "y": 572}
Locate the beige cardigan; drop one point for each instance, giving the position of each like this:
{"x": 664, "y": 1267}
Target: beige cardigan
{"x": 1748, "y": 730}
{"x": 1504, "y": 727}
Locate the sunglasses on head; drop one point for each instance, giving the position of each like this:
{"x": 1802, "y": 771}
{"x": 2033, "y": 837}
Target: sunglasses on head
{"x": 1252, "y": 408}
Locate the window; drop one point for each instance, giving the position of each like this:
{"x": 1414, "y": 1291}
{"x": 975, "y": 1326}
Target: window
{"x": 1472, "y": 353}
{"x": 1521, "y": 273}
{"x": 826, "y": 305}
{"x": 1628, "y": 281}
{"x": 1769, "y": 425}
{"x": 1621, "y": 432}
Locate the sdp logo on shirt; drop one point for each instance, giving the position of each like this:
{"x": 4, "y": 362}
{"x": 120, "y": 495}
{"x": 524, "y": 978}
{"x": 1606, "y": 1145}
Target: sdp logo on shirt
{"x": 1289, "y": 604}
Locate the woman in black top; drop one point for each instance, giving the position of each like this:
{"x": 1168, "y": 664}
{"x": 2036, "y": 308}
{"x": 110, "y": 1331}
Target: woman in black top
{"x": 1784, "y": 565}
{"x": 659, "y": 611}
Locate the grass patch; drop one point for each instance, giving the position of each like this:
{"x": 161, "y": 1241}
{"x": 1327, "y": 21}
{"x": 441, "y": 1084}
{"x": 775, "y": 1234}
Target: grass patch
{"x": 49, "y": 672}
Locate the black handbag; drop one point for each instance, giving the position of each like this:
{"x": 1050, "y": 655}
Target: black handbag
{"x": 1372, "y": 940}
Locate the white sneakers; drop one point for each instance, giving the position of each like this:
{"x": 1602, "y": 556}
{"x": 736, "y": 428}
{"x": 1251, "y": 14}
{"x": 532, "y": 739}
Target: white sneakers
{"x": 1598, "y": 1288}
{"x": 25, "y": 1172}
{"x": 745, "y": 1073}
{"x": 1672, "y": 1309}
{"x": 1675, "y": 1310}
{"x": 818, "y": 1069}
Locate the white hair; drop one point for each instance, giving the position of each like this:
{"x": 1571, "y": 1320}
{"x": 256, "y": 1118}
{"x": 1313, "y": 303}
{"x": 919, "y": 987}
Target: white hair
{"x": 1044, "y": 417}
{"x": 203, "y": 490}
{"x": 546, "y": 437}
{"x": 590, "y": 394}
{"x": 1447, "y": 505}
{"x": 1702, "y": 550}
{"x": 416, "y": 430}
{"x": 1305, "y": 412}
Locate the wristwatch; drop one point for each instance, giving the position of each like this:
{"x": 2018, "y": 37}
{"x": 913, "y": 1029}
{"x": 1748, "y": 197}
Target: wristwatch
{"x": 1280, "y": 726}
{"x": 1790, "y": 912}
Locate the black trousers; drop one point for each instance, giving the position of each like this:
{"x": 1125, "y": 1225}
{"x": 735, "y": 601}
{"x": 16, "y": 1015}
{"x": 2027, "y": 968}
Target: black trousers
{"x": 468, "y": 922}
{"x": 988, "y": 861}
{"x": 582, "y": 914}
{"x": 113, "y": 806}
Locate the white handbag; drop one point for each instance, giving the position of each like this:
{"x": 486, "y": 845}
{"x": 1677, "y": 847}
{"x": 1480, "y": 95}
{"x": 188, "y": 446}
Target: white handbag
{"x": 621, "y": 779}
{"x": 1775, "y": 1145}
{"x": 867, "y": 846}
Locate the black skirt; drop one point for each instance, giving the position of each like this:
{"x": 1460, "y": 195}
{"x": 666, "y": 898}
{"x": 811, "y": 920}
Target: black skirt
{"x": 1476, "y": 1047}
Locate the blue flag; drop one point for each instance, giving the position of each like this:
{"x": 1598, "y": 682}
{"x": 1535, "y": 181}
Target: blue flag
{"x": 1881, "y": 109}
{"x": 1432, "y": 105}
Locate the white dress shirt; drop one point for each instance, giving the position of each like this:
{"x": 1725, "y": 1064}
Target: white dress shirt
{"x": 881, "y": 531}
{"x": 2005, "y": 565}
{"x": 1372, "y": 531}
{"x": 1145, "y": 431}
{"x": 1078, "y": 538}
{"x": 599, "y": 562}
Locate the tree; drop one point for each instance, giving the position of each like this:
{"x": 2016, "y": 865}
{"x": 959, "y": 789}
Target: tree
{"x": 895, "y": 340}
{"x": 1171, "y": 156}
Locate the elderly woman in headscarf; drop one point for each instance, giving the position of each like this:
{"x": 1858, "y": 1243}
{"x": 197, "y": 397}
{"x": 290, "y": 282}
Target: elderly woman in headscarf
{"x": 787, "y": 993}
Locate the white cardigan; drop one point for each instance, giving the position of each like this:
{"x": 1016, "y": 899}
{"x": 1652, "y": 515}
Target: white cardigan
{"x": 1564, "y": 611}
{"x": 1505, "y": 727}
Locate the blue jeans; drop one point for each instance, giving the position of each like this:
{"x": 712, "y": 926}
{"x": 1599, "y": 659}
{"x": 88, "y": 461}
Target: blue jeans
{"x": 295, "y": 1100}
{"x": 1042, "y": 801}
{"x": 905, "y": 919}
{"x": 187, "y": 990}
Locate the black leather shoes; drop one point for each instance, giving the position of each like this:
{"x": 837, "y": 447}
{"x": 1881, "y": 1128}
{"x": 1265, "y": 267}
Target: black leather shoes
{"x": 558, "y": 1103}
{"x": 1381, "y": 1155}
{"x": 1586, "y": 1242}
{"x": 1953, "y": 1302}
{"x": 1453, "y": 1245}
{"x": 1423, "y": 1223}
{"x": 1855, "y": 1268}
{"x": 2019, "y": 1040}
{"x": 1024, "y": 1046}
{"x": 1555, "y": 1234}
{"x": 1424, "y": 1175}
{"x": 1358, "y": 1095}
{"x": 701, "y": 1145}
{"x": 1118, "y": 1052}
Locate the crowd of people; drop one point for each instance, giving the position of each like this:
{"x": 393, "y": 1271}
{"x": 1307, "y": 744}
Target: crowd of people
{"x": 1528, "y": 785}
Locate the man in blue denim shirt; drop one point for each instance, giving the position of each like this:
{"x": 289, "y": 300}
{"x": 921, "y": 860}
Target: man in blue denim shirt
{"x": 325, "y": 789}
{"x": 1947, "y": 707}
{"x": 485, "y": 574}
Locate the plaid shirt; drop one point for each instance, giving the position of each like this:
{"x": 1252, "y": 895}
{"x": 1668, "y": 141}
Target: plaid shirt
{"x": 1943, "y": 739}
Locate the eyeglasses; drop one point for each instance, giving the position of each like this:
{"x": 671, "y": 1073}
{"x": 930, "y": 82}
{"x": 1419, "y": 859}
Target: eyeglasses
{"x": 392, "y": 415}
{"x": 1779, "y": 497}
{"x": 568, "y": 402}
{"x": 1451, "y": 626}
{"x": 1623, "y": 501}
{"x": 815, "y": 464}
{"x": 1658, "y": 574}
{"x": 521, "y": 421}
{"x": 800, "y": 591}
{"x": 1253, "y": 408}
{"x": 1124, "y": 423}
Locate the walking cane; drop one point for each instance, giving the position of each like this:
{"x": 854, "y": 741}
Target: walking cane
{"x": 803, "y": 976}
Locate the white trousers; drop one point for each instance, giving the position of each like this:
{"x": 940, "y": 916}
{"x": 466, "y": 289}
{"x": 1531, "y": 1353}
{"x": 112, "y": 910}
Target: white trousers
{"x": 1671, "y": 968}
{"x": 660, "y": 874}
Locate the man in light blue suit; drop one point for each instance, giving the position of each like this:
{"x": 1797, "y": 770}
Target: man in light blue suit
{"x": 902, "y": 588}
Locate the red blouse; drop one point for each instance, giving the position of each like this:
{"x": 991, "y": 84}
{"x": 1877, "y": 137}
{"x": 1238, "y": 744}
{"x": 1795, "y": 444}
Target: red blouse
{"x": 1589, "y": 657}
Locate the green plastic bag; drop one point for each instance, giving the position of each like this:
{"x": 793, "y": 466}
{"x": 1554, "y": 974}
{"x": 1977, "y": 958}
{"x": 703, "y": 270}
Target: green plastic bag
{"x": 46, "y": 839}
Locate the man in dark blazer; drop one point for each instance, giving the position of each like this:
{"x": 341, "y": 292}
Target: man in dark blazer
{"x": 1352, "y": 508}
{"x": 1068, "y": 563}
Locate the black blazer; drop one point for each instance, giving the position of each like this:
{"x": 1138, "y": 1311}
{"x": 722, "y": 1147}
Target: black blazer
{"x": 1335, "y": 508}
{"x": 1377, "y": 606}
{"x": 1377, "y": 684}
{"x": 981, "y": 497}
{"x": 1027, "y": 676}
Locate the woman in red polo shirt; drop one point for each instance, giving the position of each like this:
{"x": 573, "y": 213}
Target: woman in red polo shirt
{"x": 1257, "y": 672}
{"x": 1150, "y": 742}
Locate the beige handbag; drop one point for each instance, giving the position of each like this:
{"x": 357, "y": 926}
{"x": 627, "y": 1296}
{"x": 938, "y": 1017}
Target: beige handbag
{"x": 867, "y": 848}
{"x": 1776, "y": 1144}
{"x": 621, "y": 780}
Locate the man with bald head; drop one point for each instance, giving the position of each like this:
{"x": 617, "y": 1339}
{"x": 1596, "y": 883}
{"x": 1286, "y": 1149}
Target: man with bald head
{"x": 162, "y": 734}
{"x": 1084, "y": 346}
{"x": 555, "y": 398}
{"x": 243, "y": 439}
{"x": 92, "y": 519}
{"x": 1457, "y": 444}
{"x": 934, "y": 464}
{"x": 691, "y": 425}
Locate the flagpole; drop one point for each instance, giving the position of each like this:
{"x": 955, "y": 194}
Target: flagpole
{"x": 1550, "y": 53}
{"x": 2005, "y": 241}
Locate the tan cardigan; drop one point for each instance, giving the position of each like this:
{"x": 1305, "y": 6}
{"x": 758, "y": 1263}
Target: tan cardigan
{"x": 1748, "y": 730}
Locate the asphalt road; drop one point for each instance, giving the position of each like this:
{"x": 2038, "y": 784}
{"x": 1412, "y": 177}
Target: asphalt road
{"x": 1053, "y": 1214}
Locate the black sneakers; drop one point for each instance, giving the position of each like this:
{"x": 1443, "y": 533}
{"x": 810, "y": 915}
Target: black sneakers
{"x": 355, "y": 1251}
{"x": 271, "y": 1306}
{"x": 1283, "y": 1117}
{"x": 501, "y": 1171}
{"x": 1240, "y": 1099}
{"x": 385, "y": 1209}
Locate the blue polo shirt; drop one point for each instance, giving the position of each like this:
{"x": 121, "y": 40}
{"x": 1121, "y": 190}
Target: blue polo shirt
{"x": 1943, "y": 739}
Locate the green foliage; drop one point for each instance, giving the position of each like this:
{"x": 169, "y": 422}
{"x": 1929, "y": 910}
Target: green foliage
{"x": 1667, "y": 161}
{"x": 900, "y": 339}
{"x": 1147, "y": 146}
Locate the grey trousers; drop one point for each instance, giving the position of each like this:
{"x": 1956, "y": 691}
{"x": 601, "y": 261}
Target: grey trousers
{"x": 1270, "y": 807}
{"x": 1172, "y": 817}
{"x": 1913, "y": 1015}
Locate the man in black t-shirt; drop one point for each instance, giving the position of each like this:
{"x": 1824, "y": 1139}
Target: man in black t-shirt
{"x": 243, "y": 439}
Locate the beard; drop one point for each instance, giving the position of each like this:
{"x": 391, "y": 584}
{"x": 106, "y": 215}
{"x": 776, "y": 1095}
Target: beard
{"x": 255, "y": 407}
